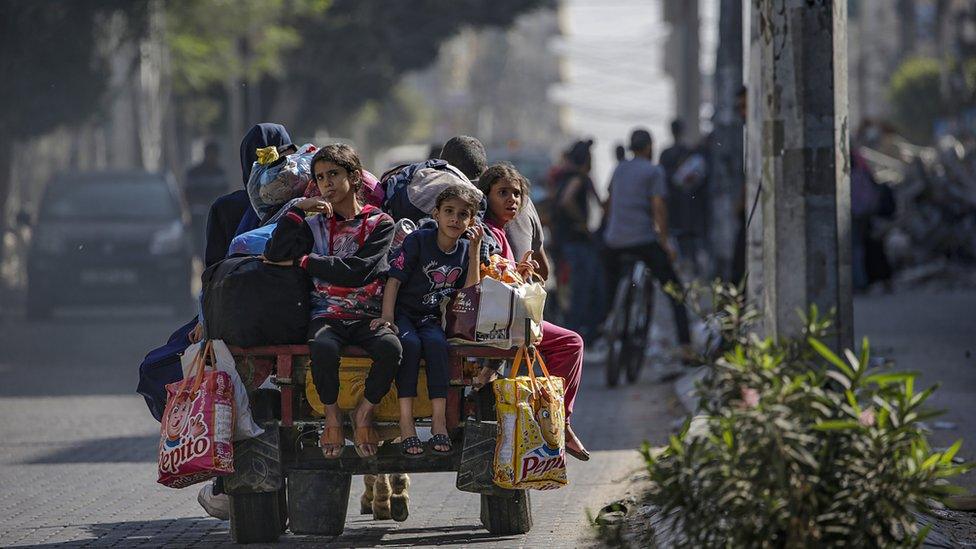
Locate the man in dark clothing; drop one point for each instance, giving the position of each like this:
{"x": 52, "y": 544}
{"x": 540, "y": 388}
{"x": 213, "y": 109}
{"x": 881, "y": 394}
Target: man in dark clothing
{"x": 679, "y": 205}
{"x": 232, "y": 213}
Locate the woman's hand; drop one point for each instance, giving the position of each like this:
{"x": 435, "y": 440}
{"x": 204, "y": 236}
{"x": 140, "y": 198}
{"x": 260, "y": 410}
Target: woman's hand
{"x": 383, "y": 322}
{"x": 316, "y": 204}
{"x": 196, "y": 334}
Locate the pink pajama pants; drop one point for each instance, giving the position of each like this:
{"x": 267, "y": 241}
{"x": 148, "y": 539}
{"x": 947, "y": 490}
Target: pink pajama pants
{"x": 562, "y": 350}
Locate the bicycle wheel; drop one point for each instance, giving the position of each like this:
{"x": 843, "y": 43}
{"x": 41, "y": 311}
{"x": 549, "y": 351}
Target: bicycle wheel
{"x": 640, "y": 308}
{"x": 616, "y": 333}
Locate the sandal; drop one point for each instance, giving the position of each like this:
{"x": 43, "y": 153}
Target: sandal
{"x": 410, "y": 443}
{"x": 332, "y": 437}
{"x": 364, "y": 435}
{"x": 440, "y": 440}
{"x": 580, "y": 453}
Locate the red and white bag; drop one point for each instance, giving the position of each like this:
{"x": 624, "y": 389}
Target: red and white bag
{"x": 195, "y": 434}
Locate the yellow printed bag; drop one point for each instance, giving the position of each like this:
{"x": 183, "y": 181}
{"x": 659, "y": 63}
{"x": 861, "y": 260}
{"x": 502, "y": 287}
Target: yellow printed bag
{"x": 530, "y": 451}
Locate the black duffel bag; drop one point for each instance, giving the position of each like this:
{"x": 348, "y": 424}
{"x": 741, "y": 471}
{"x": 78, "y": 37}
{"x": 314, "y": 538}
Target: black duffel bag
{"x": 247, "y": 302}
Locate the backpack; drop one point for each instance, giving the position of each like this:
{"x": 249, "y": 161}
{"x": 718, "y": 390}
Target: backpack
{"x": 248, "y": 303}
{"x": 411, "y": 190}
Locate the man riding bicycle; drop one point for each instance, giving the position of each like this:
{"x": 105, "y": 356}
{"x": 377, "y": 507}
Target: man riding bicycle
{"x": 637, "y": 224}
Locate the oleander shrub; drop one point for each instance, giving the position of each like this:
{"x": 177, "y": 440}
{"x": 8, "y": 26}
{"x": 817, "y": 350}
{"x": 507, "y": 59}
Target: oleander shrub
{"x": 796, "y": 446}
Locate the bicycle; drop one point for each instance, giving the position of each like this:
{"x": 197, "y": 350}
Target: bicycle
{"x": 629, "y": 321}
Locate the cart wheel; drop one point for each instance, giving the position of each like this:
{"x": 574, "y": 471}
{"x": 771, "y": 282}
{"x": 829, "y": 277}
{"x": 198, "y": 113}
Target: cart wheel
{"x": 255, "y": 518}
{"x": 640, "y": 311}
{"x": 506, "y": 515}
{"x": 616, "y": 333}
{"x": 317, "y": 501}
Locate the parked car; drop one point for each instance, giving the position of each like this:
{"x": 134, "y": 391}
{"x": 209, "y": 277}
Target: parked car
{"x": 109, "y": 238}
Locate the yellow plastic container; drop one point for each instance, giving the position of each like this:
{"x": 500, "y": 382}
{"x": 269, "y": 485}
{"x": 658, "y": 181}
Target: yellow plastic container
{"x": 352, "y": 384}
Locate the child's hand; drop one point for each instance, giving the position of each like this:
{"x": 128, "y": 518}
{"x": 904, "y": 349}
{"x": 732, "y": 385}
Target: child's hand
{"x": 382, "y": 322}
{"x": 476, "y": 234}
{"x": 316, "y": 204}
{"x": 527, "y": 266}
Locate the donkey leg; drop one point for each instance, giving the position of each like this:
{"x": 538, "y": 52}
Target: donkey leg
{"x": 381, "y": 497}
{"x": 366, "y": 501}
{"x": 399, "y": 499}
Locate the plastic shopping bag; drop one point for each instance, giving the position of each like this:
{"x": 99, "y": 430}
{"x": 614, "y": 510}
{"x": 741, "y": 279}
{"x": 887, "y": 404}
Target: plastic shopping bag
{"x": 195, "y": 435}
{"x": 284, "y": 178}
{"x": 244, "y": 426}
{"x": 252, "y": 242}
{"x": 493, "y": 313}
{"x": 530, "y": 450}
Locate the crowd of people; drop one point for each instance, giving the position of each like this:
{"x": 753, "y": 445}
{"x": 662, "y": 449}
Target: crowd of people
{"x": 658, "y": 212}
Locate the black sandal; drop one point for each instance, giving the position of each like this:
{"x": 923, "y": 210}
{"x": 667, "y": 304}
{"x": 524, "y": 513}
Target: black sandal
{"x": 410, "y": 443}
{"x": 440, "y": 440}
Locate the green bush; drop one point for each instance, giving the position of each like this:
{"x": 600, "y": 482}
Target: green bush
{"x": 797, "y": 447}
{"x": 915, "y": 94}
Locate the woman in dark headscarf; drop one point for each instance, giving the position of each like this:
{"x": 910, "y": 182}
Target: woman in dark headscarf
{"x": 232, "y": 214}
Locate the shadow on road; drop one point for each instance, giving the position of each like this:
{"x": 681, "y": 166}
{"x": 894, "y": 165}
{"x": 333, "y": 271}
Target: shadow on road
{"x": 130, "y": 449}
{"x": 207, "y": 532}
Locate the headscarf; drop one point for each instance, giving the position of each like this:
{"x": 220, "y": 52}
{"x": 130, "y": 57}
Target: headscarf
{"x": 259, "y": 136}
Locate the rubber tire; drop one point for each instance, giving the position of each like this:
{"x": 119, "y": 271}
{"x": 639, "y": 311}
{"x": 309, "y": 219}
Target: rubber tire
{"x": 507, "y": 515}
{"x": 616, "y": 334}
{"x": 641, "y": 305}
{"x": 255, "y": 518}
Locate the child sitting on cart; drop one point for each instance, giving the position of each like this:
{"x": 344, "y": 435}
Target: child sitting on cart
{"x": 347, "y": 263}
{"x": 432, "y": 264}
{"x": 562, "y": 349}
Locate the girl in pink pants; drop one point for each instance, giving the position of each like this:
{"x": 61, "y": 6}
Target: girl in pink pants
{"x": 562, "y": 349}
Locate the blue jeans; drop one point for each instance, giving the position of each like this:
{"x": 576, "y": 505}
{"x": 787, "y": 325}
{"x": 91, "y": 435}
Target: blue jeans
{"x": 588, "y": 301}
{"x": 426, "y": 340}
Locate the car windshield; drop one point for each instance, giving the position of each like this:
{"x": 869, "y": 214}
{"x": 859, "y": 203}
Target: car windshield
{"x": 145, "y": 199}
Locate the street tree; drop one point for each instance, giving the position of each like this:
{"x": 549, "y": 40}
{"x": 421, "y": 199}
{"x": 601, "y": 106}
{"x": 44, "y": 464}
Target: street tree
{"x": 54, "y": 75}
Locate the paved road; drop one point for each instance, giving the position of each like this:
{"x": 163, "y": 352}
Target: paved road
{"x": 77, "y": 451}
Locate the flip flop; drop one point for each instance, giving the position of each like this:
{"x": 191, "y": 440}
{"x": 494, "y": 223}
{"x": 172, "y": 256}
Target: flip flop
{"x": 440, "y": 440}
{"x": 363, "y": 435}
{"x": 582, "y": 456}
{"x": 410, "y": 443}
{"x": 332, "y": 436}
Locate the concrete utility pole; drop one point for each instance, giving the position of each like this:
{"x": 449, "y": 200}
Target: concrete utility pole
{"x": 802, "y": 114}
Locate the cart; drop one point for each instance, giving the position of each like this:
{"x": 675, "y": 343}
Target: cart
{"x": 282, "y": 481}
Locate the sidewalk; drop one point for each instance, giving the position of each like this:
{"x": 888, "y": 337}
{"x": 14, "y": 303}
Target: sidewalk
{"x": 932, "y": 332}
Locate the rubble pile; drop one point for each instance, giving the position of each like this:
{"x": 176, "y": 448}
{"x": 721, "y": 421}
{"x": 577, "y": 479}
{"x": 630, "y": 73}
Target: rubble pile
{"x": 932, "y": 235}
